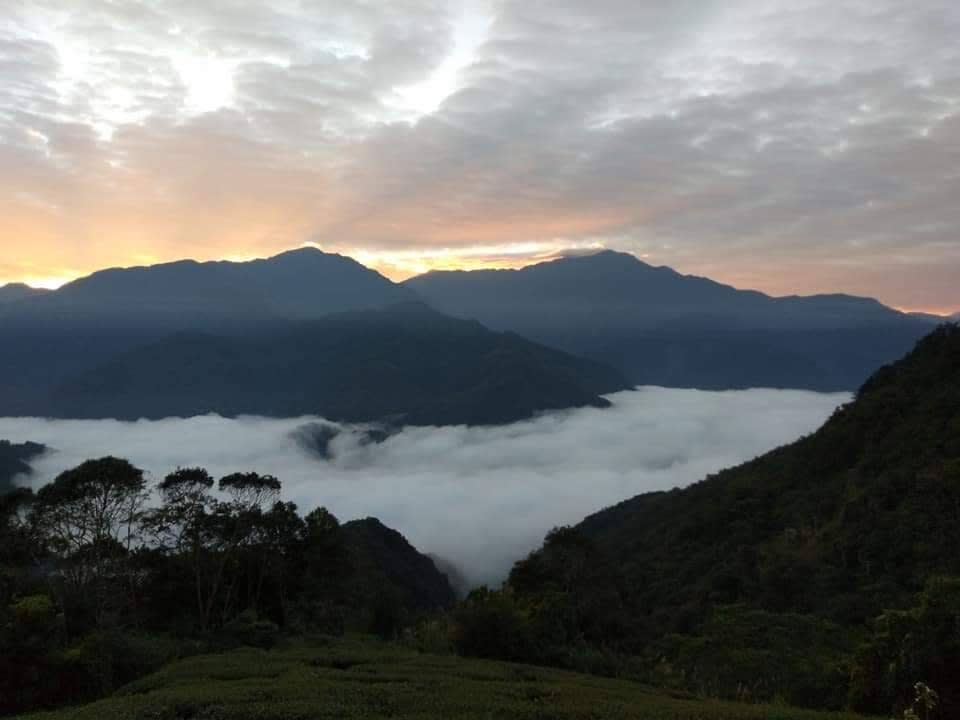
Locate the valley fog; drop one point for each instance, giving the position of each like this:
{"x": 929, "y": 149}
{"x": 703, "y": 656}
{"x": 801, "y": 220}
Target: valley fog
{"x": 479, "y": 497}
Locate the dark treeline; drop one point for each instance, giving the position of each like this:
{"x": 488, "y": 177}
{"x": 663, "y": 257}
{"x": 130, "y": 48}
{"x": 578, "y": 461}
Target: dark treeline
{"x": 98, "y": 585}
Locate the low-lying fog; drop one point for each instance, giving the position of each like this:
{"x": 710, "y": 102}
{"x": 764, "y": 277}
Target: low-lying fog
{"x": 479, "y": 497}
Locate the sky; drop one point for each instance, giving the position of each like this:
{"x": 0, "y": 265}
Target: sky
{"x": 793, "y": 146}
{"x": 497, "y": 490}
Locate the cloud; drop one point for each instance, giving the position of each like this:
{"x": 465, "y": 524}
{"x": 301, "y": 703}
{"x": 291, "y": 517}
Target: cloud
{"x": 479, "y": 497}
{"x": 729, "y": 139}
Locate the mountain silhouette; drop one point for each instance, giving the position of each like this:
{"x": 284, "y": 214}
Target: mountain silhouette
{"x": 406, "y": 364}
{"x": 296, "y": 285}
{"x": 12, "y": 292}
{"x": 663, "y": 328}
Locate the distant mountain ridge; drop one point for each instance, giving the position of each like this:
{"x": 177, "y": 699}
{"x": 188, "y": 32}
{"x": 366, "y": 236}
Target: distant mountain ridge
{"x": 304, "y": 332}
{"x": 606, "y": 284}
{"x": 652, "y": 325}
{"x": 405, "y": 364}
{"x": 11, "y": 292}
{"x": 663, "y": 328}
{"x": 292, "y": 286}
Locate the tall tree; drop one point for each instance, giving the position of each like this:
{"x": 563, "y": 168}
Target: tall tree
{"x": 182, "y": 528}
{"x": 89, "y": 518}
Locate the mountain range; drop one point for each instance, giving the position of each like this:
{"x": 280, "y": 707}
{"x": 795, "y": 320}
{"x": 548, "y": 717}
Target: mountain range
{"x": 298, "y": 285}
{"x": 406, "y": 364}
{"x": 310, "y": 332}
{"x": 659, "y": 327}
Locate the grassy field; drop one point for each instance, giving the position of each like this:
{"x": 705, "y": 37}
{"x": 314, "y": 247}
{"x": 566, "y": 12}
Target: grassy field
{"x": 361, "y": 678}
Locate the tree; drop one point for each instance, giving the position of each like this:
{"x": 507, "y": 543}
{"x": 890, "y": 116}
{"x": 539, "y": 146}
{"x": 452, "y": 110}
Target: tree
{"x": 88, "y": 518}
{"x": 279, "y": 536}
{"x": 181, "y": 526}
{"x": 250, "y": 492}
{"x": 322, "y": 563}
{"x": 240, "y": 521}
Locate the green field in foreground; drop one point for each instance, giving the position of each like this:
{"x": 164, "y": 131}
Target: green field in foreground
{"x": 362, "y": 678}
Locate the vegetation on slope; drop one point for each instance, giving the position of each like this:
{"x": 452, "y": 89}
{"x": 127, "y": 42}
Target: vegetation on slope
{"x": 824, "y": 574}
{"x": 355, "y": 677}
{"x": 97, "y": 587}
{"x": 809, "y": 573}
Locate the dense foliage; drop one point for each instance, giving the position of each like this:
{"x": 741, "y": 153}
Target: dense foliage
{"x": 98, "y": 586}
{"x": 763, "y": 581}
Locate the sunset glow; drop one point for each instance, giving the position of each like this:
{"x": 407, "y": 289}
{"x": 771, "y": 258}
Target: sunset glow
{"x": 470, "y": 134}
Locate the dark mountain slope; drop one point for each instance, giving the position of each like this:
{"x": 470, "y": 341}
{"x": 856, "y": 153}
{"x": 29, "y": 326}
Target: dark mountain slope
{"x": 661, "y": 327}
{"x": 51, "y": 337}
{"x": 763, "y": 579}
{"x": 388, "y": 563}
{"x": 14, "y": 460}
{"x": 843, "y": 523}
{"x": 407, "y": 364}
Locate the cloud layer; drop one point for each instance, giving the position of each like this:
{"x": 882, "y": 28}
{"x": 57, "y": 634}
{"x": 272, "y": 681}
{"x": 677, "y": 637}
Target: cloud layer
{"x": 480, "y": 497}
{"x": 724, "y": 138}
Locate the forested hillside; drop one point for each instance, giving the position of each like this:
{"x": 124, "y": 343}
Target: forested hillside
{"x": 777, "y": 578}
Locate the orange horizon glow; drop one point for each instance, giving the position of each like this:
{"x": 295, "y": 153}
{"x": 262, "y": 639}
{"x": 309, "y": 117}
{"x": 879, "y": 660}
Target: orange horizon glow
{"x": 942, "y": 312}
{"x": 400, "y": 265}
{"x": 395, "y": 265}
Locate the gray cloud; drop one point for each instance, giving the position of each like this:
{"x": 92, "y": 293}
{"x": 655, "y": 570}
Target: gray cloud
{"x": 481, "y": 497}
{"x": 724, "y": 138}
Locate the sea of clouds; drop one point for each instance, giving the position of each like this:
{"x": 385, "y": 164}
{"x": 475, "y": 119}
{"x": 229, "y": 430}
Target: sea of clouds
{"x": 479, "y": 497}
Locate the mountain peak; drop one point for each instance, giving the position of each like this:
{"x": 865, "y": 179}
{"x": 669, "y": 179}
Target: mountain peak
{"x": 604, "y": 258}
{"x": 604, "y": 254}
{"x": 19, "y": 291}
{"x": 308, "y": 253}
{"x": 298, "y": 284}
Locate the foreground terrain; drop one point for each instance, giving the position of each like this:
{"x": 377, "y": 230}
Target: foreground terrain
{"x": 825, "y": 573}
{"x": 361, "y": 678}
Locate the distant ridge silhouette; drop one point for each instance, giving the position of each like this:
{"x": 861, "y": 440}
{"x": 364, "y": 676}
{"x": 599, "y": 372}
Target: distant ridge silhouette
{"x": 663, "y": 328}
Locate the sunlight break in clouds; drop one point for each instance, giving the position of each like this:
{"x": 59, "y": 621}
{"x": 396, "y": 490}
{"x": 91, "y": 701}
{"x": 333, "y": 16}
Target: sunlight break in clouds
{"x": 480, "y": 497}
